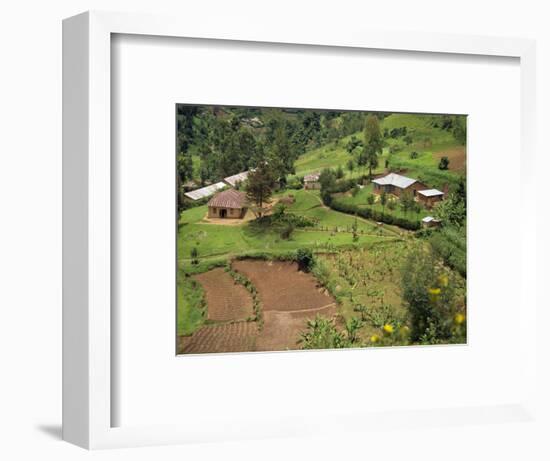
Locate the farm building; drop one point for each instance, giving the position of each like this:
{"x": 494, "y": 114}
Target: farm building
{"x": 204, "y": 192}
{"x": 236, "y": 179}
{"x": 430, "y": 221}
{"x": 429, "y": 197}
{"x": 228, "y": 204}
{"x": 396, "y": 184}
{"x": 311, "y": 181}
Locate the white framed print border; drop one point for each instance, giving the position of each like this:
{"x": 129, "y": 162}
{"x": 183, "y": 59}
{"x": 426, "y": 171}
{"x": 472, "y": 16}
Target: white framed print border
{"x": 87, "y": 360}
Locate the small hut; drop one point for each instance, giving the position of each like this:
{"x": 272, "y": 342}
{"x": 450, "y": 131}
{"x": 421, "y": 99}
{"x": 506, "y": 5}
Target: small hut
{"x": 228, "y": 204}
{"x": 430, "y": 221}
{"x": 429, "y": 197}
{"x": 311, "y": 181}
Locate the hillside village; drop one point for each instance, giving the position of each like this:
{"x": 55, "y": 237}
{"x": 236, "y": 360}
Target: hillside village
{"x": 319, "y": 211}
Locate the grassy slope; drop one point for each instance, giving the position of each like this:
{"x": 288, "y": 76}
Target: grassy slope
{"x": 190, "y": 305}
{"x": 216, "y": 243}
{"x": 424, "y": 167}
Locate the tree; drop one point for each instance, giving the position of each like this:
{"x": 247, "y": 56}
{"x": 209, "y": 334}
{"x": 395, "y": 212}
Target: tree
{"x": 194, "y": 255}
{"x": 259, "y": 187}
{"x": 305, "y": 259}
{"x": 444, "y": 163}
{"x": 373, "y": 142}
{"x": 339, "y": 172}
{"x": 383, "y": 200}
{"x": 459, "y": 129}
{"x": 354, "y": 230}
{"x": 452, "y": 210}
{"x": 370, "y": 199}
{"x": 327, "y": 179}
{"x": 407, "y": 201}
{"x": 350, "y": 165}
{"x": 352, "y": 144}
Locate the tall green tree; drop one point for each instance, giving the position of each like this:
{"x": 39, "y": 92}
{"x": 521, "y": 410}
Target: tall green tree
{"x": 259, "y": 187}
{"x": 374, "y": 142}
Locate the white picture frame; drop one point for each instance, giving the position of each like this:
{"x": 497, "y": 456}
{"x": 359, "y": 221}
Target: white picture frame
{"x": 87, "y": 359}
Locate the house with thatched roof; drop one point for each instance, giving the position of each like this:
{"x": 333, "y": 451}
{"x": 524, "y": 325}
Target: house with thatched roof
{"x": 228, "y": 204}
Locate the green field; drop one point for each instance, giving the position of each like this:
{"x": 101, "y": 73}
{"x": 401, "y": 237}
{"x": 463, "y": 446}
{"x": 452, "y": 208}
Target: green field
{"x": 331, "y": 230}
{"x": 424, "y": 167}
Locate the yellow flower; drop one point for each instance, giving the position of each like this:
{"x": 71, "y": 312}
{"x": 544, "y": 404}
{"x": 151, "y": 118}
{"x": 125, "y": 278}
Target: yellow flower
{"x": 459, "y": 319}
{"x": 374, "y": 338}
{"x": 388, "y": 328}
{"x": 434, "y": 294}
{"x": 443, "y": 280}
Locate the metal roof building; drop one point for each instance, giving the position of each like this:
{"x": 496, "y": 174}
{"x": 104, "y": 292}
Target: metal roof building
{"x": 394, "y": 179}
{"x": 312, "y": 177}
{"x": 430, "y": 192}
{"x": 204, "y": 192}
{"x": 236, "y": 178}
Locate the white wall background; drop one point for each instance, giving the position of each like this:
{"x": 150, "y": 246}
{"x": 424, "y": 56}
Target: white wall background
{"x": 30, "y": 231}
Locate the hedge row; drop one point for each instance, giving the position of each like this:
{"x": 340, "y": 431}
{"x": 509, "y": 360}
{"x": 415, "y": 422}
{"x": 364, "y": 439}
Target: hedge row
{"x": 375, "y": 215}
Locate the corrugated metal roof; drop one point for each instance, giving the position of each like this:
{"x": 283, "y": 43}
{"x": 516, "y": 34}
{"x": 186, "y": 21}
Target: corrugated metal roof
{"x": 312, "y": 177}
{"x": 234, "y": 179}
{"x": 204, "y": 192}
{"x": 229, "y": 198}
{"x": 430, "y": 192}
{"x": 430, "y": 219}
{"x": 394, "y": 179}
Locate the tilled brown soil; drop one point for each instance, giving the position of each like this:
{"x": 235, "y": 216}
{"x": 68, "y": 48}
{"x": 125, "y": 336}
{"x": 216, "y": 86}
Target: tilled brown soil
{"x": 282, "y": 287}
{"x": 226, "y": 299}
{"x": 289, "y": 299}
{"x": 227, "y": 337}
{"x": 457, "y": 157}
{"x": 282, "y": 329}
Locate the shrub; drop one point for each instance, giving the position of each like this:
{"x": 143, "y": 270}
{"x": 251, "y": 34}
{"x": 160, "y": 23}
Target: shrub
{"x": 305, "y": 259}
{"x": 194, "y": 256}
{"x": 321, "y": 333}
{"x": 413, "y": 155}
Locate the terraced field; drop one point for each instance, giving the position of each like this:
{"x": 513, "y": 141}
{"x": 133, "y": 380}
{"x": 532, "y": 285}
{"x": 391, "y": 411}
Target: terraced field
{"x": 288, "y": 299}
{"x": 226, "y": 299}
{"x": 227, "y": 337}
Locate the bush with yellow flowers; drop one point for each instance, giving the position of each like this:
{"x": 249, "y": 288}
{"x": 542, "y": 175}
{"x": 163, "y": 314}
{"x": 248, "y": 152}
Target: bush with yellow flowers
{"x": 429, "y": 291}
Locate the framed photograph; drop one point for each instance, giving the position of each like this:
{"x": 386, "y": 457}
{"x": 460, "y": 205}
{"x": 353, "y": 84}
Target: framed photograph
{"x": 308, "y": 229}
{"x": 305, "y": 215}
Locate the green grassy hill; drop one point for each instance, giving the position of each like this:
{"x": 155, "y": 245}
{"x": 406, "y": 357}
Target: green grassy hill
{"x": 429, "y": 142}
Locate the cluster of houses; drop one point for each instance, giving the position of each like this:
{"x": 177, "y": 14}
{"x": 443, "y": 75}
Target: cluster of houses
{"x": 397, "y": 185}
{"x": 232, "y": 203}
{"x": 229, "y": 203}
